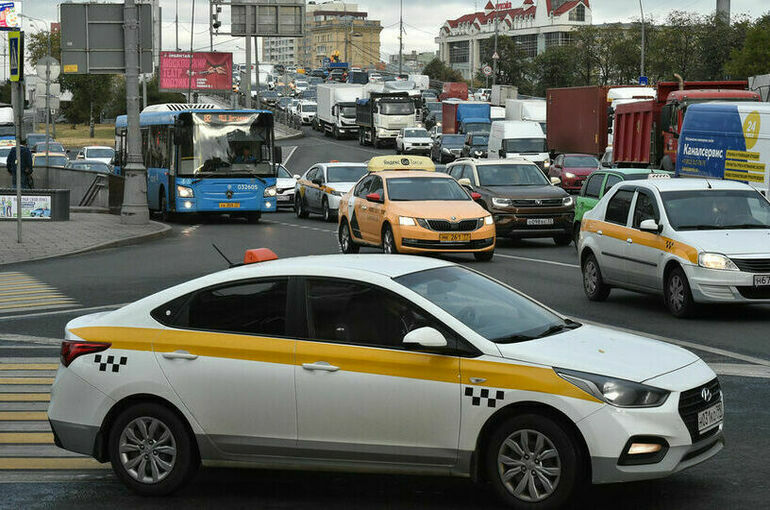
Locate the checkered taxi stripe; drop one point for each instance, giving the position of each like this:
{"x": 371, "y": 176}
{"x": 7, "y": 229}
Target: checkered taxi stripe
{"x": 26, "y": 440}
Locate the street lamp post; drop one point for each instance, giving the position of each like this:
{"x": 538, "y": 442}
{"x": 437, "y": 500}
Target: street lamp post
{"x": 494, "y": 60}
{"x": 641, "y": 67}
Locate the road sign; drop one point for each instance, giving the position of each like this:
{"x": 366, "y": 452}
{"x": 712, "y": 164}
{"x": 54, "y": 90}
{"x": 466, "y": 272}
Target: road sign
{"x": 16, "y": 54}
{"x": 496, "y": 56}
{"x": 486, "y": 70}
{"x": 54, "y": 68}
{"x": 53, "y": 101}
{"x": 267, "y": 18}
{"x": 643, "y": 81}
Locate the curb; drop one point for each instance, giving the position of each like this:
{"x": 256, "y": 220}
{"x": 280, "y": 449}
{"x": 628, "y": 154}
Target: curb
{"x": 290, "y": 137}
{"x": 163, "y": 232}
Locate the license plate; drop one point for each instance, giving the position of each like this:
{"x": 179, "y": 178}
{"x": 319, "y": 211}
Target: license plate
{"x": 761, "y": 280}
{"x": 710, "y": 417}
{"x": 453, "y": 238}
{"x": 540, "y": 221}
{"x": 284, "y": 198}
{"x": 229, "y": 205}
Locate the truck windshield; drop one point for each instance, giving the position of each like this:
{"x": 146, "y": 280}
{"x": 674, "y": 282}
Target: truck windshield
{"x": 348, "y": 111}
{"x": 308, "y": 108}
{"x": 511, "y": 175}
{"x": 345, "y": 173}
{"x": 524, "y": 145}
{"x": 405, "y": 108}
{"x": 227, "y": 144}
{"x": 476, "y": 127}
{"x": 425, "y": 188}
{"x": 709, "y": 209}
{"x": 433, "y": 106}
{"x": 479, "y": 141}
{"x": 8, "y": 130}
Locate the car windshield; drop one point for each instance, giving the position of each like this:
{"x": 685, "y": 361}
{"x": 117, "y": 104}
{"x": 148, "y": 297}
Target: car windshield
{"x": 453, "y": 140}
{"x": 433, "y": 106}
{"x": 99, "y": 153}
{"x": 388, "y": 108}
{"x": 52, "y": 147}
{"x": 416, "y": 133}
{"x": 52, "y": 161}
{"x": 425, "y": 188}
{"x": 8, "y": 130}
{"x": 511, "y": 175}
{"x": 581, "y": 161}
{"x": 283, "y": 173}
{"x": 348, "y": 111}
{"x": 525, "y": 145}
{"x": 479, "y": 141}
{"x": 95, "y": 166}
{"x": 33, "y": 139}
{"x": 494, "y": 311}
{"x": 345, "y": 173}
{"x": 710, "y": 209}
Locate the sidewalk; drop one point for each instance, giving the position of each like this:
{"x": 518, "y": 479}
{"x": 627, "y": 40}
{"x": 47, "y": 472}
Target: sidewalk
{"x": 84, "y": 232}
{"x": 284, "y": 132}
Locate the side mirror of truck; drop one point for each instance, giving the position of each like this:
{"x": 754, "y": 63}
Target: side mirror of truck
{"x": 277, "y": 154}
{"x": 501, "y": 153}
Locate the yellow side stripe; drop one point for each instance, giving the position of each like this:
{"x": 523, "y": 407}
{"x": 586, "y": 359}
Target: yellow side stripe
{"x": 26, "y": 380}
{"x": 26, "y": 438}
{"x": 29, "y": 366}
{"x": 7, "y": 463}
{"x": 25, "y": 397}
{"x": 655, "y": 241}
{"x": 23, "y": 416}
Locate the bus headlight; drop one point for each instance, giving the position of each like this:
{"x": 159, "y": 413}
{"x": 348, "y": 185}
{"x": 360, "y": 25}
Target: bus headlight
{"x": 184, "y": 192}
{"x": 269, "y": 192}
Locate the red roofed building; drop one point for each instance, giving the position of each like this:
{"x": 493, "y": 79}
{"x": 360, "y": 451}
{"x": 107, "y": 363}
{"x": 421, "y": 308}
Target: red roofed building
{"x": 534, "y": 24}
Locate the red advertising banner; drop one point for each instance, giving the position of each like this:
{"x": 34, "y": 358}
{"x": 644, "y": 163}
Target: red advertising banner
{"x": 209, "y": 71}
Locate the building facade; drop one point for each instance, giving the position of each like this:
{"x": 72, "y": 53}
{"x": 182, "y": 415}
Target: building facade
{"x": 534, "y": 26}
{"x": 280, "y": 50}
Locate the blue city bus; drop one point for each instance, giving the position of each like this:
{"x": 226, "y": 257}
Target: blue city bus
{"x": 200, "y": 159}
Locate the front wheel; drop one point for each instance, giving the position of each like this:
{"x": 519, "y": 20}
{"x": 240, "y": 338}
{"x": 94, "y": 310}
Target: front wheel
{"x": 678, "y": 294}
{"x": 593, "y": 283}
{"x": 253, "y": 218}
{"x": 151, "y": 450}
{"x": 328, "y": 215}
{"x": 388, "y": 241}
{"x": 299, "y": 206}
{"x": 533, "y": 462}
{"x": 347, "y": 245}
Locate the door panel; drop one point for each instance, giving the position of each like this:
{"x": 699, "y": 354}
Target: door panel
{"x": 643, "y": 253}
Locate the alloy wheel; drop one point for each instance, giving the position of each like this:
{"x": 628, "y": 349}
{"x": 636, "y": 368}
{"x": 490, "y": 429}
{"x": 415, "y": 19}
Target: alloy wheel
{"x": 344, "y": 238}
{"x": 529, "y": 465}
{"x": 590, "y": 277}
{"x": 388, "y": 245}
{"x": 147, "y": 450}
{"x": 676, "y": 292}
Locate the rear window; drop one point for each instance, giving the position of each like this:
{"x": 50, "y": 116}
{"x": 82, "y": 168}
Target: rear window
{"x": 425, "y": 188}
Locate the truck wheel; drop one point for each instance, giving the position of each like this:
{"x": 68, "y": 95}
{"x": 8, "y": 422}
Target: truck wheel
{"x": 336, "y": 133}
{"x": 375, "y": 141}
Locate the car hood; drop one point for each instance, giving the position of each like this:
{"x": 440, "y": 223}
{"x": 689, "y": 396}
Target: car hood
{"x": 602, "y": 351}
{"x": 439, "y": 209}
{"x": 284, "y": 182}
{"x": 580, "y": 170}
{"x": 342, "y": 187}
{"x": 729, "y": 242}
{"x": 544, "y": 191}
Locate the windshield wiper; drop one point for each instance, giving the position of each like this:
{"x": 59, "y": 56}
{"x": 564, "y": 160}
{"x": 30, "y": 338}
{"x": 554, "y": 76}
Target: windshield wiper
{"x": 556, "y": 328}
{"x": 748, "y": 225}
{"x": 698, "y": 227}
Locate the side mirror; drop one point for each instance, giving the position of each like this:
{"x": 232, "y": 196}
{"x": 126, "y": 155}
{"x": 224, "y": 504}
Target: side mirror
{"x": 297, "y": 176}
{"x": 426, "y": 337}
{"x": 374, "y": 197}
{"x": 464, "y": 182}
{"x": 650, "y": 226}
{"x": 277, "y": 154}
{"x": 317, "y": 181}
{"x": 555, "y": 181}
{"x": 501, "y": 153}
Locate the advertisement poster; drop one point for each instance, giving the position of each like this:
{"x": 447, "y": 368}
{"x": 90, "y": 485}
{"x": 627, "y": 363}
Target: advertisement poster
{"x": 9, "y": 14}
{"x": 209, "y": 71}
{"x": 37, "y": 207}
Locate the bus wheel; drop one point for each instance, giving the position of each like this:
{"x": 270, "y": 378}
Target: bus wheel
{"x": 165, "y": 215}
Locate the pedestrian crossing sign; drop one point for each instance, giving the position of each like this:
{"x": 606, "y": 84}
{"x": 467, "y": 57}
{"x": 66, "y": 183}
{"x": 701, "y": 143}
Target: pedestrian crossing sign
{"x": 16, "y": 54}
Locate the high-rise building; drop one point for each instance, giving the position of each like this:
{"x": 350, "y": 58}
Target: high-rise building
{"x": 280, "y": 50}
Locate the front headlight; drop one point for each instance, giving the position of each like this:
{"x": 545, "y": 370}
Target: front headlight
{"x": 269, "y": 192}
{"x": 716, "y": 261}
{"x": 616, "y": 392}
{"x": 184, "y": 192}
{"x": 488, "y": 220}
{"x": 547, "y": 164}
{"x": 502, "y": 202}
{"x": 568, "y": 175}
{"x": 477, "y": 153}
{"x": 567, "y": 201}
{"x": 406, "y": 221}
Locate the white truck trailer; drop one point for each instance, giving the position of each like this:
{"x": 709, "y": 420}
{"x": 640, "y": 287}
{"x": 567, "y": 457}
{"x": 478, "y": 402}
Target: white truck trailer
{"x": 337, "y": 108}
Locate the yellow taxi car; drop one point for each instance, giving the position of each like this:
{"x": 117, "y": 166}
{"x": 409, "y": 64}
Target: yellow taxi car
{"x": 404, "y": 206}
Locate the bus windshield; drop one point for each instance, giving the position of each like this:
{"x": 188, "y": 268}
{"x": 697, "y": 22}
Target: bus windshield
{"x": 227, "y": 144}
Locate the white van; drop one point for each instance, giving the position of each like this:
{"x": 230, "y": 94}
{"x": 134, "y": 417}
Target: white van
{"x": 518, "y": 138}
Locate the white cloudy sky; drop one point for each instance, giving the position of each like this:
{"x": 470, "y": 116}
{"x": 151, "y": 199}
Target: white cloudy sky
{"x": 422, "y": 18}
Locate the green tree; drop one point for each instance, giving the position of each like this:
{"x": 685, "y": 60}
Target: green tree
{"x": 154, "y": 96}
{"x": 437, "y": 70}
{"x": 555, "y": 67}
{"x": 513, "y": 66}
{"x": 753, "y": 57}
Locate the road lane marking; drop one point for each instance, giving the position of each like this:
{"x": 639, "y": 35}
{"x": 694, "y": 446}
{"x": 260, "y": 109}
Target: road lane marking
{"x": 21, "y": 291}
{"x": 741, "y": 370}
{"x": 292, "y": 150}
{"x": 26, "y": 438}
{"x": 7, "y": 463}
{"x": 28, "y": 366}
{"x": 23, "y": 416}
{"x": 62, "y": 312}
{"x": 25, "y": 397}
{"x": 540, "y": 261}
{"x": 26, "y": 380}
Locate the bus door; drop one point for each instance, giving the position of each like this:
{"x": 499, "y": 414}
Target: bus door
{"x": 173, "y": 151}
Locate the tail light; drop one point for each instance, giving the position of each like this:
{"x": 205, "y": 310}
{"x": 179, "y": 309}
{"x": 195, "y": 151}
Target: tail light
{"x": 71, "y": 349}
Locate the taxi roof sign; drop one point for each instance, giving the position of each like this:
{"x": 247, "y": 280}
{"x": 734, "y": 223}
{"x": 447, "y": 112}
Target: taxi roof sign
{"x": 396, "y": 162}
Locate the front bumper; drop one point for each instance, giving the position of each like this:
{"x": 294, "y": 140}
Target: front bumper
{"x": 516, "y": 224}
{"x": 716, "y": 286}
{"x": 285, "y": 198}
{"x": 573, "y": 185}
{"x": 415, "y": 239}
{"x": 224, "y": 205}
{"x": 416, "y": 149}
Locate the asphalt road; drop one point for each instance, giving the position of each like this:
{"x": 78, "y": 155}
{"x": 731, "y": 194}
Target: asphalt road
{"x": 733, "y": 340}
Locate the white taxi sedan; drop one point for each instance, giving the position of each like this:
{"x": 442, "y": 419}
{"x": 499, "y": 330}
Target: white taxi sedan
{"x": 693, "y": 240}
{"x": 377, "y": 363}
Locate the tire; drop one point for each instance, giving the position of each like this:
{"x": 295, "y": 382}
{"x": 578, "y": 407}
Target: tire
{"x": 484, "y": 256}
{"x": 360, "y": 137}
{"x": 562, "y": 239}
{"x": 254, "y": 217}
{"x": 164, "y": 213}
{"x": 678, "y": 295}
{"x": 559, "y": 461}
{"x": 593, "y": 283}
{"x": 127, "y": 430}
{"x": 299, "y": 206}
{"x": 375, "y": 141}
{"x": 328, "y": 215}
{"x": 345, "y": 239}
{"x": 389, "y": 241}
{"x": 336, "y": 133}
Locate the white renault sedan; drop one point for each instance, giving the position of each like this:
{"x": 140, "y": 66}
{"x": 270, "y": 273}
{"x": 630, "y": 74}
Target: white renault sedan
{"x": 321, "y": 186}
{"x": 693, "y": 240}
{"x": 380, "y": 364}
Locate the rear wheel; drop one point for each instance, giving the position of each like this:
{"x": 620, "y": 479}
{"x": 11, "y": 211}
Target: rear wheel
{"x": 347, "y": 245}
{"x": 678, "y": 294}
{"x": 593, "y": 284}
{"x": 164, "y": 213}
{"x": 388, "y": 241}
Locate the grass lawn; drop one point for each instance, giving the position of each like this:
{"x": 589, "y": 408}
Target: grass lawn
{"x": 104, "y": 134}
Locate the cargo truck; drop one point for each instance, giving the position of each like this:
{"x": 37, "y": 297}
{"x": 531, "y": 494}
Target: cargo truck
{"x": 337, "y": 108}
{"x": 457, "y": 90}
{"x": 533, "y": 110}
{"x": 647, "y": 132}
{"x": 460, "y": 117}
{"x": 501, "y": 93}
{"x": 380, "y": 116}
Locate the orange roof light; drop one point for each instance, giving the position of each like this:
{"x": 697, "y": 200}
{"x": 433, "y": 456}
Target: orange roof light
{"x": 259, "y": 255}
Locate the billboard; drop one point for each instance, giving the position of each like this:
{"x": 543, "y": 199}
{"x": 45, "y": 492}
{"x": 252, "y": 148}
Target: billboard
{"x": 9, "y": 14}
{"x": 207, "y": 71}
{"x": 37, "y": 207}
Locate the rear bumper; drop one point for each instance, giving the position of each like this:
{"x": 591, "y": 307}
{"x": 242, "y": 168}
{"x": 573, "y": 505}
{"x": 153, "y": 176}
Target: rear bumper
{"x": 74, "y": 437}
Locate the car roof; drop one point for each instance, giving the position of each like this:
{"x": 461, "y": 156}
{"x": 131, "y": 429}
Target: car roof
{"x": 50, "y": 153}
{"x": 691, "y": 183}
{"x": 96, "y": 147}
{"x": 484, "y": 162}
{"x": 340, "y": 163}
{"x": 388, "y": 174}
{"x": 631, "y": 171}
{"x": 88, "y": 162}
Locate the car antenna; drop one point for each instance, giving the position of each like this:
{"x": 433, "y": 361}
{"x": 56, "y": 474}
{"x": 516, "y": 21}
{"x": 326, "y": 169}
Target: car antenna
{"x": 223, "y": 255}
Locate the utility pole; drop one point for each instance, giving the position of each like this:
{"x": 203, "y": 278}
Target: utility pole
{"x": 641, "y": 9}
{"x": 401, "y": 36}
{"x": 494, "y": 60}
{"x": 246, "y": 87}
{"x": 256, "y": 65}
{"x": 176, "y": 24}
{"x": 134, "y": 210}
{"x": 47, "y": 100}
{"x": 189, "y": 69}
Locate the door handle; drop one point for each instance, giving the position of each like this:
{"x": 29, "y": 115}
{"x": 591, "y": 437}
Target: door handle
{"x": 630, "y": 241}
{"x": 179, "y": 355}
{"x": 477, "y": 380}
{"x": 320, "y": 365}
{"x": 599, "y": 232}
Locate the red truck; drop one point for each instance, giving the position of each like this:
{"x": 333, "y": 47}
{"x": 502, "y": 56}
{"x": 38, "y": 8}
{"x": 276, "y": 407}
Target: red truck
{"x": 457, "y": 89}
{"x": 647, "y": 132}
{"x": 577, "y": 119}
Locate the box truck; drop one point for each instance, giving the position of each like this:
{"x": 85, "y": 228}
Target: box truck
{"x": 465, "y": 117}
{"x": 518, "y": 138}
{"x": 337, "y": 108}
{"x": 526, "y": 109}
{"x": 381, "y": 115}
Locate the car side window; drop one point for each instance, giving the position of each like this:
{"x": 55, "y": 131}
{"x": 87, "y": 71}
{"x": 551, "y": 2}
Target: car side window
{"x": 455, "y": 170}
{"x": 253, "y": 307}
{"x": 559, "y": 160}
{"x": 594, "y": 185}
{"x": 610, "y": 182}
{"x": 310, "y": 175}
{"x": 358, "y": 313}
{"x": 362, "y": 188}
{"x": 644, "y": 209}
{"x": 618, "y": 207}
{"x": 376, "y": 186}
{"x": 467, "y": 173}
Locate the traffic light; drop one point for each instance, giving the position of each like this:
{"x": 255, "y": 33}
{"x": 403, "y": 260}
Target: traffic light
{"x": 215, "y": 18}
